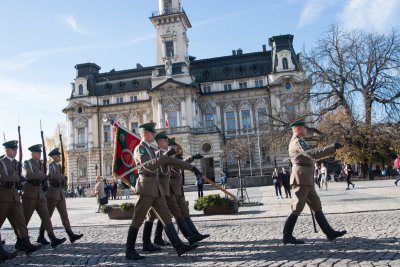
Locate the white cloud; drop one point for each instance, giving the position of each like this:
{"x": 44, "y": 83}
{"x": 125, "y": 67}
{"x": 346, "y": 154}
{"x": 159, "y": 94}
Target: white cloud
{"x": 71, "y": 22}
{"x": 312, "y": 10}
{"x": 377, "y": 15}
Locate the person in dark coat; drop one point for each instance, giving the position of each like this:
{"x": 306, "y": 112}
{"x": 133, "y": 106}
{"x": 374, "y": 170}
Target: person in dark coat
{"x": 285, "y": 177}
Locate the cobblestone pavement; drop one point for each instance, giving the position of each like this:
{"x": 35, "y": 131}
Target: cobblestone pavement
{"x": 251, "y": 239}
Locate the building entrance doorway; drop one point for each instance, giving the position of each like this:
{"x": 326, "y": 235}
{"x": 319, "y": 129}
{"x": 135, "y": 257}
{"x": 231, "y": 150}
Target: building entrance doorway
{"x": 207, "y": 167}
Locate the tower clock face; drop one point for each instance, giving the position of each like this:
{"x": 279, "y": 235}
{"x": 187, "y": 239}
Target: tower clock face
{"x": 288, "y": 86}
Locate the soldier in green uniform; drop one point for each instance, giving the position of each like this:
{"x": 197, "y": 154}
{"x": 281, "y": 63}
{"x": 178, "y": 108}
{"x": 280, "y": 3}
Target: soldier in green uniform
{"x": 178, "y": 194}
{"x": 56, "y": 199}
{"x": 151, "y": 194}
{"x": 10, "y": 202}
{"x": 302, "y": 157}
{"x": 164, "y": 179}
{"x": 33, "y": 197}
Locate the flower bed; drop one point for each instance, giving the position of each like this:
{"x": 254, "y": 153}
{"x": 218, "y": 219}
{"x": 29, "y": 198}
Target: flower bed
{"x": 215, "y": 205}
{"x": 119, "y": 212}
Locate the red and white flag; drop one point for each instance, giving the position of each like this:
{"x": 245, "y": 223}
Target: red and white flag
{"x": 166, "y": 121}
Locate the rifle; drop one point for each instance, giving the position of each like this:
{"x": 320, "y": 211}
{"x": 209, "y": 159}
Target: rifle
{"x": 44, "y": 183}
{"x": 62, "y": 156}
{"x": 19, "y": 184}
{"x": 62, "y": 152}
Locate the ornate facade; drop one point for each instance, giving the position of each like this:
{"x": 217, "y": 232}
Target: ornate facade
{"x": 200, "y": 102}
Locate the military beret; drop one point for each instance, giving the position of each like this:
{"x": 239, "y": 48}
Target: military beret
{"x": 299, "y": 122}
{"x": 54, "y": 152}
{"x": 148, "y": 127}
{"x": 171, "y": 141}
{"x": 161, "y": 135}
{"x": 11, "y": 144}
{"x": 35, "y": 148}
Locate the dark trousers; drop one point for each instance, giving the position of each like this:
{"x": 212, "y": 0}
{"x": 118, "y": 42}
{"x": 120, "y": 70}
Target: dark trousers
{"x": 318, "y": 181}
{"x": 287, "y": 189}
{"x": 278, "y": 189}
{"x": 200, "y": 190}
{"x": 348, "y": 177}
{"x": 114, "y": 194}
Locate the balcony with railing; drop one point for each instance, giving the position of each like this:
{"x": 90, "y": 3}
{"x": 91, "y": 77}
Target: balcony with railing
{"x": 168, "y": 11}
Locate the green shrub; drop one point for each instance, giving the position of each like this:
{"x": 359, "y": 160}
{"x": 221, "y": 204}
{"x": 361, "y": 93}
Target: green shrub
{"x": 127, "y": 206}
{"x": 106, "y": 208}
{"x": 212, "y": 200}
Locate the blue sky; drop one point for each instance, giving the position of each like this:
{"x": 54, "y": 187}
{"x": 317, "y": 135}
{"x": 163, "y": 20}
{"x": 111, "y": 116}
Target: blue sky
{"x": 43, "y": 40}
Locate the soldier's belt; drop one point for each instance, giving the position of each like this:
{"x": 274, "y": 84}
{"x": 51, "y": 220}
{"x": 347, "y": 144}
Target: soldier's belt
{"x": 55, "y": 184}
{"x": 34, "y": 182}
{"x": 303, "y": 165}
{"x": 7, "y": 184}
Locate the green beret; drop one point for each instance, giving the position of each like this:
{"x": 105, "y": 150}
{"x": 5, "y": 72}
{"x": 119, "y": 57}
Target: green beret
{"x": 54, "y": 152}
{"x": 11, "y": 144}
{"x": 161, "y": 135}
{"x": 171, "y": 142}
{"x": 151, "y": 127}
{"x": 35, "y": 148}
{"x": 300, "y": 122}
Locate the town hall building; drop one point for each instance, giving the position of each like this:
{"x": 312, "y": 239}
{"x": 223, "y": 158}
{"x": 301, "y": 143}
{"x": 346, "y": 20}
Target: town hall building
{"x": 201, "y": 102}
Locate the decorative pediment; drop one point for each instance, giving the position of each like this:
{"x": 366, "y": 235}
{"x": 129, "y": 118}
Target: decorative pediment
{"x": 244, "y": 104}
{"x": 210, "y": 108}
{"x": 134, "y": 116}
{"x": 171, "y": 105}
{"x": 229, "y": 106}
{"x": 261, "y": 103}
{"x": 80, "y": 121}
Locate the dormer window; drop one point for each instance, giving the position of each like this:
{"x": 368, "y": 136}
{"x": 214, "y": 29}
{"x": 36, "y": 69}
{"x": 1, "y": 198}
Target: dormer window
{"x": 80, "y": 92}
{"x": 285, "y": 63}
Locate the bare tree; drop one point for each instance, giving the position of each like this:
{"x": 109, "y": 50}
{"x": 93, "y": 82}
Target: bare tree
{"x": 236, "y": 150}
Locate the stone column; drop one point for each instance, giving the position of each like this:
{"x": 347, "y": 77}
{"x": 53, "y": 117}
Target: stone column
{"x": 183, "y": 112}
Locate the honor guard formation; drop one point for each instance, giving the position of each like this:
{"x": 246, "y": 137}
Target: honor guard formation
{"x": 159, "y": 188}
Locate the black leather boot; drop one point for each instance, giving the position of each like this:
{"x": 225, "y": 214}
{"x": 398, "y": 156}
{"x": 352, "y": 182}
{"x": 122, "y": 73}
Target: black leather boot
{"x": 288, "y": 237}
{"x": 158, "y": 238}
{"x": 41, "y": 239}
{"x": 326, "y": 228}
{"x": 147, "y": 245}
{"x": 176, "y": 242}
{"x": 19, "y": 245}
{"x": 5, "y": 255}
{"x": 27, "y": 246}
{"x": 73, "y": 237}
{"x": 187, "y": 232}
{"x": 54, "y": 241}
{"x": 130, "y": 252}
{"x": 194, "y": 229}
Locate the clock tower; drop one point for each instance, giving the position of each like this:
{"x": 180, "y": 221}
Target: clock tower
{"x": 171, "y": 24}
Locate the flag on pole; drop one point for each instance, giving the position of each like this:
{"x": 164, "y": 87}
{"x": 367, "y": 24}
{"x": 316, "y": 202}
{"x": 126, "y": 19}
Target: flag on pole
{"x": 166, "y": 121}
{"x": 124, "y": 146}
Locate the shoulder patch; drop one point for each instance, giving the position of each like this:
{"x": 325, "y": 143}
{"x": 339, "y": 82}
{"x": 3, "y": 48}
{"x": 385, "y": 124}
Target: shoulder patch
{"x": 142, "y": 151}
{"x": 302, "y": 143}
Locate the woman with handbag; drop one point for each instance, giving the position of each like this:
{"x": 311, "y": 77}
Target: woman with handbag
{"x": 99, "y": 193}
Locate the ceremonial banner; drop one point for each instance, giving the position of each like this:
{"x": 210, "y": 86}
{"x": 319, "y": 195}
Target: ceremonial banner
{"x": 125, "y": 143}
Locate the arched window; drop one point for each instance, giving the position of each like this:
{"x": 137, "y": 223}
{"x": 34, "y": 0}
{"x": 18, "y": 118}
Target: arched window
{"x": 82, "y": 167}
{"x": 80, "y": 89}
{"x": 285, "y": 63}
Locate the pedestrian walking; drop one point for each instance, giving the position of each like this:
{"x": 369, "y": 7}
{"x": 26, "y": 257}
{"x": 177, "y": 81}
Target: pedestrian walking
{"x": 119, "y": 189}
{"x": 324, "y": 176}
{"x": 223, "y": 179}
{"x": 285, "y": 176}
{"x": 199, "y": 183}
{"x": 114, "y": 188}
{"x": 126, "y": 191}
{"x": 99, "y": 191}
{"x": 396, "y": 166}
{"x": 301, "y": 180}
{"x": 277, "y": 181}
{"x": 317, "y": 175}
{"x": 348, "y": 172}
